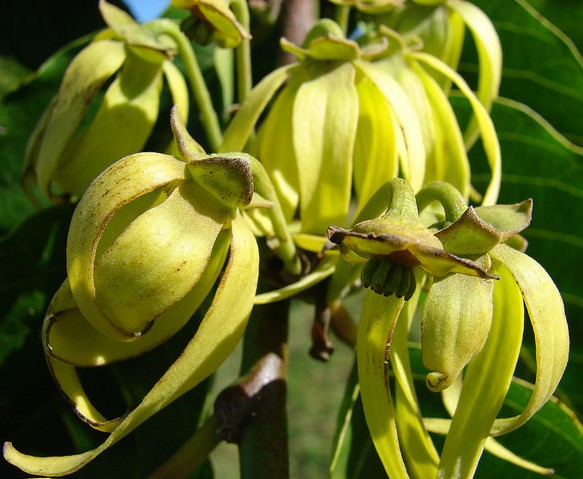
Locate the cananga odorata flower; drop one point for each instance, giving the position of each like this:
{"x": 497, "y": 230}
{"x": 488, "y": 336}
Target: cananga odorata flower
{"x": 68, "y": 148}
{"x": 212, "y": 20}
{"x": 147, "y": 243}
{"x": 471, "y": 317}
{"x": 311, "y": 140}
{"x": 342, "y": 122}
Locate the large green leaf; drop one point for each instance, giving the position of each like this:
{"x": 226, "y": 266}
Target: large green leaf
{"x": 552, "y": 438}
{"x": 33, "y": 265}
{"x": 540, "y": 164}
{"x": 541, "y": 65}
{"x": 565, "y": 15}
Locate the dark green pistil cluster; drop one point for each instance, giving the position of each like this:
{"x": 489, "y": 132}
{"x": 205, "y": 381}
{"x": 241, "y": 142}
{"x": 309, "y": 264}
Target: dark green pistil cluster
{"x": 386, "y": 277}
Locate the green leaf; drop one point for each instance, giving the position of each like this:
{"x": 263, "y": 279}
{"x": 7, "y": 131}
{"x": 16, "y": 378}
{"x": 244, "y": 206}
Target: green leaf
{"x": 12, "y": 74}
{"x": 552, "y": 438}
{"x": 541, "y": 164}
{"x": 541, "y": 66}
{"x": 33, "y": 264}
{"x": 565, "y": 15}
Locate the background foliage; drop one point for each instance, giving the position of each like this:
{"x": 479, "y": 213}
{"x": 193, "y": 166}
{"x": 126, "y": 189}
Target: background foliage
{"x": 540, "y": 127}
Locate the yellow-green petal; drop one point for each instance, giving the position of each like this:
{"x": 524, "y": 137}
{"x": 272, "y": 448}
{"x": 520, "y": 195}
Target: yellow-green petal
{"x": 486, "y": 127}
{"x": 156, "y": 260}
{"x": 241, "y": 126}
{"x": 324, "y": 120}
{"x": 121, "y": 126}
{"x": 216, "y": 337}
{"x": 407, "y": 128}
{"x": 547, "y": 316}
{"x": 178, "y": 88}
{"x": 420, "y": 454}
{"x": 447, "y": 159}
{"x": 375, "y": 158}
{"x": 67, "y": 379}
{"x": 276, "y": 150}
{"x": 83, "y": 78}
{"x": 489, "y": 55}
{"x": 110, "y": 192}
{"x": 69, "y": 337}
{"x": 375, "y": 330}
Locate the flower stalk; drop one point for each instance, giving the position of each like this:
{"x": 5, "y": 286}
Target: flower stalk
{"x": 208, "y": 114}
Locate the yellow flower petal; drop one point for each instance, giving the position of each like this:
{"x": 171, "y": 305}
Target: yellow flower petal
{"x": 216, "y": 337}
{"x": 549, "y": 323}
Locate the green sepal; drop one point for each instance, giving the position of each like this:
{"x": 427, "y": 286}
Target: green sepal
{"x": 478, "y": 230}
{"x": 227, "y": 177}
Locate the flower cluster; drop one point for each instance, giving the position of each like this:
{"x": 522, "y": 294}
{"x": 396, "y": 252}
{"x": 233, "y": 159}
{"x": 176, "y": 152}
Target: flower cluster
{"x": 353, "y": 166}
{"x": 471, "y": 313}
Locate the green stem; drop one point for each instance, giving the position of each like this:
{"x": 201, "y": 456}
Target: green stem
{"x": 342, "y": 17}
{"x": 191, "y": 455}
{"x": 243, "y": 52}
{"x": 402, "y": 199}
{"x": 447, "y": 195}
{"x": 286, "y": 248}
{"x": 208, "y": 115}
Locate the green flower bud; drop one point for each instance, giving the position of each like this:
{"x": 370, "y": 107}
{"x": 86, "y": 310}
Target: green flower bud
{"x": 135, "y": 251}
{"x": 148, "y": 242}
{"x": 455, "y": 323}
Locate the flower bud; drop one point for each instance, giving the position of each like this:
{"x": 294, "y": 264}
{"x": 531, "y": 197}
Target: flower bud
{"x": 212, "y": 20}
{"x": 455, "y": 324}
{"x": 140, "y": 240}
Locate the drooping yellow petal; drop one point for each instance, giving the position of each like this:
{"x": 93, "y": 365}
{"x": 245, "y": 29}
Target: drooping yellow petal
{"x": 241, "y": 126}
{"x": 121, "y": 126}
{"x": 420, "y": 454}
{"x": 276, "y": 150}
{"x": 110, "y": 192}
{"x": 216, "y": 337}
{"x": 489, "y": 55}
{"x": 441, "y": 426}
{"x": 178, "y": 88}
{"x": 83, "y": 78}
{"x": 375, "y": 330}
{"x": 448, "y": 160}
{"x": 549, "y": 323}
{"x": 412, "y": 151}
{"x": 324, "y": 269}
{"x": 325, "y": 115}
{"x": 375, "y": 149}
{"x": 486, "y": 127}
